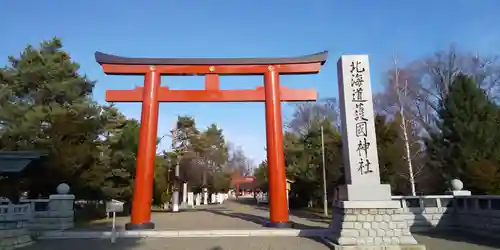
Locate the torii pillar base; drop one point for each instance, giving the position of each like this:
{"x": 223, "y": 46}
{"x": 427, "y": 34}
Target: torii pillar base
{"x": 287, "y": 224}
{"x": 144, "y": 226}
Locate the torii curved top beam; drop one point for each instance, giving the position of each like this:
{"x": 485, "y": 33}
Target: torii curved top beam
{"x": 103, "y": 58}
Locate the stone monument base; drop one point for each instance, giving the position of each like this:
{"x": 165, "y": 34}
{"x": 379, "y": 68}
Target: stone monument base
{"x": 460, "y": 193}
{"x": 378, "y": 192}
{"x": 370, "y": 228}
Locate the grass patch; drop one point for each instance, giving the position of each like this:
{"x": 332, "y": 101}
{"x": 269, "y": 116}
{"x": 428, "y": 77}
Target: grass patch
{"x": 316, "y": 213}
{"x": 319, "y": 211}
{"x": 92, "y": 222}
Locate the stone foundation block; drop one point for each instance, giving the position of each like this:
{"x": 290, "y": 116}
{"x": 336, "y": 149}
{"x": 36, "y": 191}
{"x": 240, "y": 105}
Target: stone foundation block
{"x": 14, "y": 238}
{"x": 371, "y": 229}
{"x": 399, "y": 247}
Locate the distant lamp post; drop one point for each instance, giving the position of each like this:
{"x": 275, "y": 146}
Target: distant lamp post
{"x": 175, "y": 194}
{"x": 325, "y": 195}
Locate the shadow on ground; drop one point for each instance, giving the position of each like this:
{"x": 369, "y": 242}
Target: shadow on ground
{"x": 246, "y": 201}
{"x": 436, "y": 239}
{"x": 262, "y": 221}
{"x": 295, "y": 212}
{"x": 102, "y": 225}
{"x": 457, "y": 237}
{"x": 434, "y": 236}
{"x": 85, "y": 244}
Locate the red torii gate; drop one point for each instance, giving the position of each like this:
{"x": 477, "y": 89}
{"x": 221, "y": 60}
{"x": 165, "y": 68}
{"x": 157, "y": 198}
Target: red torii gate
{"x": 152, "y": 94}
{"x": 236, "y": 180}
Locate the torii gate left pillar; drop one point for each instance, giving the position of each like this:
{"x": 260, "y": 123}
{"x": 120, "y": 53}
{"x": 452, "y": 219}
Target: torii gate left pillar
{"x": 152, "y": 94}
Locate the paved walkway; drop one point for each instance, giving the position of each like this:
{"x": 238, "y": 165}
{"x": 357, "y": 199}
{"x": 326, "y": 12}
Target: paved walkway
{"x": 239, "y": 243}
{"x": 231, "y": 215}
{"x": 234, "y": 215}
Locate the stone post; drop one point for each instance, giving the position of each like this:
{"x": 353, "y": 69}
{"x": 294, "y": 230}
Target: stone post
{"x": 184, "y": 193}
{"x": 190, "y": 200}
{"x": 220, "y": 198}
{"x": 364, "y": 214}
{"x": 175, "y": 201}
{"x": 198, "y": 199}
{"x": 60, "y": 214}
{"x": 288, "y": 188}
{"x": 205, "y": 196}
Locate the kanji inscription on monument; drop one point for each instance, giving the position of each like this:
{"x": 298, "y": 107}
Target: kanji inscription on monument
{"x": 358, "y": 127}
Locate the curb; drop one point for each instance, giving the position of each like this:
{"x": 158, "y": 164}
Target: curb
{"x": 184, "y": 234}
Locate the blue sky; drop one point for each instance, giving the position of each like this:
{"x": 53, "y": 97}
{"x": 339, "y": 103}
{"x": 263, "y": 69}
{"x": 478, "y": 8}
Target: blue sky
{"x": 252, "y": 28}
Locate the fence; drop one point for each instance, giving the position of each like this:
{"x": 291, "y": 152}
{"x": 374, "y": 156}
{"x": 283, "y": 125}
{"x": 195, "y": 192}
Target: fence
{"x": 477, "y": 214}
{"x": 18, "y": 222}
{"x": 13, "y": 221}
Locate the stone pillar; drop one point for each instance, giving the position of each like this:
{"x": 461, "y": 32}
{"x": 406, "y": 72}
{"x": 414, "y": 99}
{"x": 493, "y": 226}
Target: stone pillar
{"x": 364, "y": 214}
{"x": 205, "y": 196}
{"x": 288, "y": 199}
{"x": 60, "y": 214}
{"x": 198, "y": 199}
{"x": 190, "y": 201}
{"x": 61, "y": 202}
{"x": 184, "y": 192}
{"x": 288, "y": 188}
{"x": 175, "y": 201}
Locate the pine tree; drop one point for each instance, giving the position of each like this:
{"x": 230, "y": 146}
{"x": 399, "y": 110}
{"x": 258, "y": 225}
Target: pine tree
{"x": 469, "y": 133}
{"x": 46, "y": 105}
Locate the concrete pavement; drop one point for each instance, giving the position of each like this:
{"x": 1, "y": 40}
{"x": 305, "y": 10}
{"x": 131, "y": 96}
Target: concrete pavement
{"x": 233, "y": 216}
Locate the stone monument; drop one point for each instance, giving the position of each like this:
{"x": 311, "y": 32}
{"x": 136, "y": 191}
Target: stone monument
{"x": 363, "y": 216}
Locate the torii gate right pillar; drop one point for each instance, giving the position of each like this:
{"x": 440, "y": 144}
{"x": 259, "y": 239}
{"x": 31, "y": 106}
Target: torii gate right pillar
{"x": 275, "y": 151}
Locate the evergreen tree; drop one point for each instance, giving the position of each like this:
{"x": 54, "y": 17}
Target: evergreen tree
{"x": 469, "y": 134}
{"x": 47, "y": 106}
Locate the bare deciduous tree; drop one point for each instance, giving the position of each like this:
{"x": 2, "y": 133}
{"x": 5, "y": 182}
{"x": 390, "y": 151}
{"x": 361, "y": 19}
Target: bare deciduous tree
{"x": 306, "y": 114}
{"x": 429, "y": 81}
{"x": 238, "y": 162}
{"x": 402, "y": 93}
{"x": 397, "y": 102}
